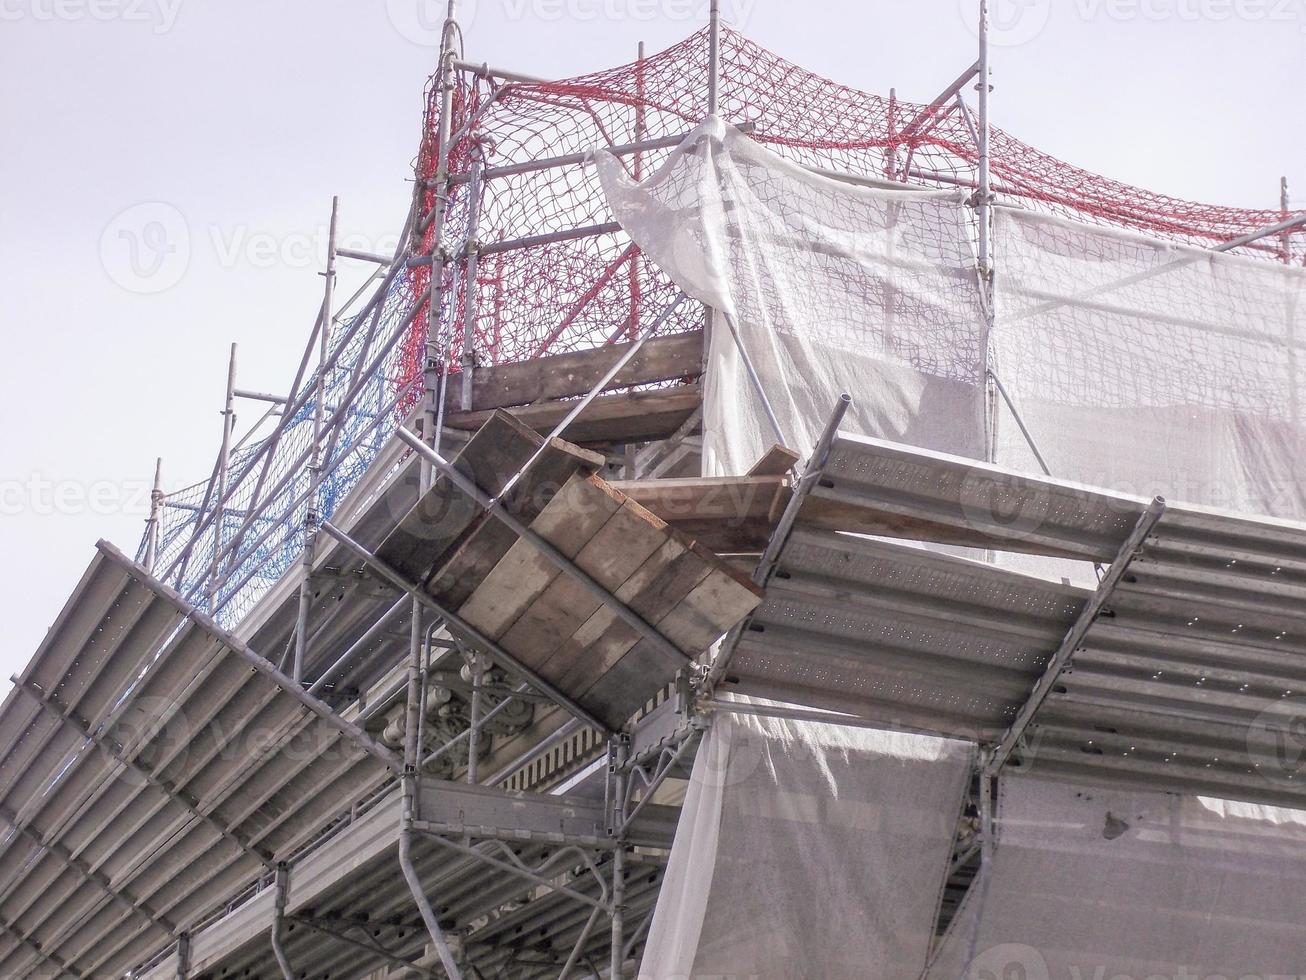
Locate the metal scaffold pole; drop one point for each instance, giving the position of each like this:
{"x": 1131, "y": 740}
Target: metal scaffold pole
{"x": 435, "y": 376}
{"x": 224, "y": 463}
{"x": 312, "y": 514}
{"x": 152, "y": 529}
{"x": 713, "y": 56}
{"x": 983, "y": 201}
{"x": 618, "y": 757}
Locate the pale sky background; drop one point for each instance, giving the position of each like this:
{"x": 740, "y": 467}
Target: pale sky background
{"x": 247, "y": 115}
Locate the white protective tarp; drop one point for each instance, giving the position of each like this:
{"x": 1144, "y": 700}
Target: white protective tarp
{"x": 1090, "y": 883}
{"x": 832, "y": 287}
{"x": 1135, "y": 364}
{"x": 1147, "y": 368}
{"x": 808, "y": 850}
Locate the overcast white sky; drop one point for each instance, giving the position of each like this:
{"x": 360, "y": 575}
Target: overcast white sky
{"x": 245, "y": 116}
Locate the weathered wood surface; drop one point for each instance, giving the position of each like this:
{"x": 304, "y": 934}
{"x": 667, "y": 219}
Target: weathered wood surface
{"x": 567, "y": 375}
{"x": 445, "y": 516}
{"x": 552, "y": 623}
{"x": 636, "y": 416}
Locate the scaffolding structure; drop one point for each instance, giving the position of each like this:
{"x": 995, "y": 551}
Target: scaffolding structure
{"x": 433, "y": 792}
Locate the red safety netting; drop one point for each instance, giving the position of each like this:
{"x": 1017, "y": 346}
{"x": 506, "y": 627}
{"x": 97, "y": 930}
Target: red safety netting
{"x": 550, "y": 279}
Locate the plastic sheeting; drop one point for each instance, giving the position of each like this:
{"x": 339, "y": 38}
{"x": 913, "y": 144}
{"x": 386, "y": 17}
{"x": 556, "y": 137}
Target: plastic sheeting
{"x": 1136, "y": 365}
{"x": 808, "y": 850}
{"x": 1146, "y": 367}
{"x": 832, "y": 287}
{"x": 1089, "y": 883}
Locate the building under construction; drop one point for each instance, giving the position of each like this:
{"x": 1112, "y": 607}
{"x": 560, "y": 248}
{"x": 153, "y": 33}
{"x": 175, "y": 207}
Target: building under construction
{"x": 749, "y": 527}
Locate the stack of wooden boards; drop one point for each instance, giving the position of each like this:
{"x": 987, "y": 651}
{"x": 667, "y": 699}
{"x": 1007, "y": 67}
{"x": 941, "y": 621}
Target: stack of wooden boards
{"x": 472, "y": 563}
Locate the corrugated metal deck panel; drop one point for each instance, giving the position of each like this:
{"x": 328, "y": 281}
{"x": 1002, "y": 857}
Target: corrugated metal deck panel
{"x": 129, "y": 727}
{"x": 353, "y": 881}
{"x": 900, "y": 491}
{"x": 899, "y": 634}
{"x": 1193, "y": 679}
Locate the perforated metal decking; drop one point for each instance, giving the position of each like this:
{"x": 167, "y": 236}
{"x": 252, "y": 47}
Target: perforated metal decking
{"x": 1184, "y": 679}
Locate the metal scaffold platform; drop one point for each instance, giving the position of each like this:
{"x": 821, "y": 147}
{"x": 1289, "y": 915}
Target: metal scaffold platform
{"x": 414, "y": 684}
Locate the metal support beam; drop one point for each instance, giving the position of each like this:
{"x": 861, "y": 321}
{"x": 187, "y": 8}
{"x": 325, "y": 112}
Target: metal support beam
{"x": 260, "y": 663}
{"x": 429, "y": 918}
{"x": 713, "y": 56}
{"x": 927, "y": 112}
{"x": 44, "y": 955}
{"x": 261, "y": 396}
{"x": 613, "y": 370}
{"x": 183, "y": 956}
{"x": 332, "y": 929}
{"x": 497, "y": 510}
{"x": 278, "y": 923}
{"x": 468, "y": 632}
{"x": 485, "y": 71}
{"x": 618, "y": 754}
{"x": 533, "y": 875}
{"x": 224, "y": 464}
{"x": 183, "y": 799}
{"x": 658, "y": 779}
{"x": 359, "y": 647}
{"x": 152, "y": 529}
{"x": 1001, "y": 751}
{"x": 1288, "y": 224}
{"x": 86, "y": 872}
{"x": 766, "y": 565}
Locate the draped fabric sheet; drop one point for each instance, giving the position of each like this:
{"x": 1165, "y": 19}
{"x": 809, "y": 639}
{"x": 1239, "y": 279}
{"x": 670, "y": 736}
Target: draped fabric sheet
{"x": 1135, "y": 364}
{"x": 1098, "y": 883}
{"x": 832, "y": 287}
{"x": 1147, "y": 368}
{"x": 808, "y": 850}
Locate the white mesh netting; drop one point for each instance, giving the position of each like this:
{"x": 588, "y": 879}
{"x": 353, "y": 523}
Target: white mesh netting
{"x": 1135, "y": 364}
{"x": 1148, "y": 367}
{"x": 777, "y": 814}
{"x": 832, "y": 288}
{"x": 1097, "y": 883}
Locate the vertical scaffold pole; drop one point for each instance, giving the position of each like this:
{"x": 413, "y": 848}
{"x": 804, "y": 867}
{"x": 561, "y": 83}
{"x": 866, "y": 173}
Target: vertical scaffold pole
{"x": 1284, "y": 202}
{"x": 470, "y": 289}
{"x": 434, "y": 377}
{"x": 224, "y": 463}
{"x": 637, "y": 172}
{"x": 618, "y": 757}
{"x": 312, "y": 514}
{"x": 713, "y": 87}
{"x": 713, "y": 55}
{"x": 152, "y": 525}
{"x": 436, "y": 362}
{"x": 982, "y": 178}
{"x": 983, "y": 223}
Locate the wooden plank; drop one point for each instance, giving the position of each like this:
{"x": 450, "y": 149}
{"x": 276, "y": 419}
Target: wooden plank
{"x": 777, "y": 461}
{"x": 445, "y": 516}
{"x": 662, "y": 582}
{"x": 498, "y": 576}
{"x": 712, "y": 607}
{"x": 727, "y": 498}
{"x": 638, "y": 416}
{"x": 611, "y": 556}
{"x": 568, "y": 375}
